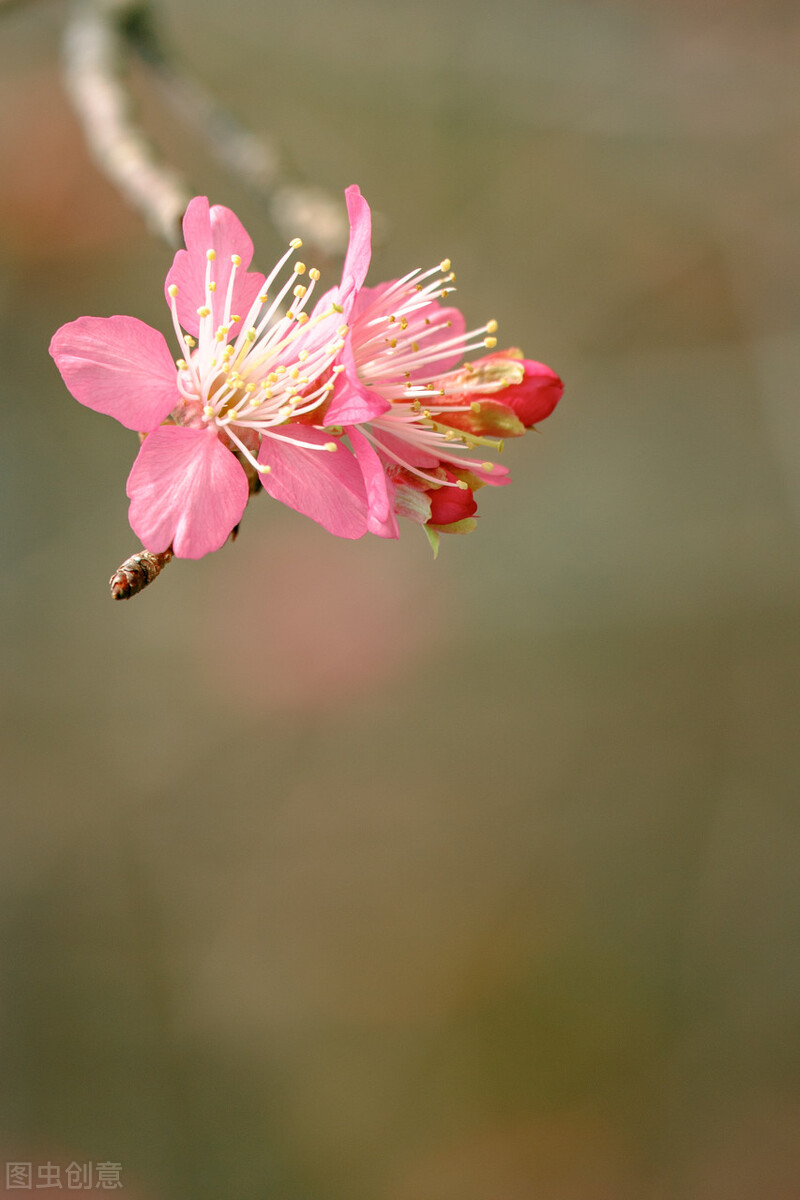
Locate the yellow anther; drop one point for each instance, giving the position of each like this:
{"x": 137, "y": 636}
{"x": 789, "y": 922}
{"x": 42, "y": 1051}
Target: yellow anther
{"x": 220, "y": 335}
{"x": 263, "y": 298}
{"x": 294, "y": 373}
{"x": 236, "y": 259}
{"x": 488, "y": 466}
{"x": 286, "y": 410}
{"x": 476, "y": 406}
{"x": 281, "y": 370}
{"x": 302, "y": 356}
{"x": 299, "y": 291}
{"x": 208, "y": 411}
{"x": 250, "y": 336}
{"x": 211, "y": 255}
{"x": 203, "y": 311}
{"x": 392, "y": 342}
{"x": 313, "y": 274}
{"x": 392, "y": 318}
{"x": 299, "y": 268}
{"x": 302, "y": 318}
{"x": 296, "y": 243}
{"x": 445, "y": 264}
{"x": 415, "y": 346}
{"x": 331, "y": 446}
{"x": 173, "y": 290}
{"x": 290, "y": 315}
{"x": 236, "y": 317}
{"x": 342, "y": 330}
{"x": 491, "y": 326}
{"x": 462, "y": 485}
{"x": 490, "y": 342}
{"x": 254, "y": 401}
{"x": 228, "y": 352}
{"x": 212, "y": 287}
{"x": 190, "y": 341}
{"x": 181, "y": 364}
{"x": 338, "y": 368}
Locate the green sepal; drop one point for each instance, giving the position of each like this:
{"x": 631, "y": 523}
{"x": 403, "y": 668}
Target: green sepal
{"x": 486, "y": 418}
{"x": 433, "y": 537}
{"x": 465, "y": 525}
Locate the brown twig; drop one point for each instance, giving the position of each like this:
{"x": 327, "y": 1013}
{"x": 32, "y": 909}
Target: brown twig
{"x": 94, "y": 68}
{"x": 295, "y": 207}
{"x": 98, "y": 36}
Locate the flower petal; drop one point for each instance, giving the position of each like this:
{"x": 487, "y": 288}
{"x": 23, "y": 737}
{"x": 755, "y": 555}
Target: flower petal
{"x": 451, "y": 504}
{"x": 118, "y": 366}
{"x": 327, "y": 487}
{"x": 380, "y": 492}
{"x": 212, "y": 228}
{"x": 359, "y": 249}
{"x": 186, "y": 491}
{"x": 537, "y": 395}
{"x": 352, "y": 402}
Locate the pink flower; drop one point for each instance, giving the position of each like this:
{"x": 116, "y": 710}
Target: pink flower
{"x": 415, "y": 417}
{"x": 249, "y": 378}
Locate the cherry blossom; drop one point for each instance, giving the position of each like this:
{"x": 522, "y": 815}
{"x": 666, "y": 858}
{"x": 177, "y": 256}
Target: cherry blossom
{"x": 257, "y": 361}
{"x": 416, "y": 414}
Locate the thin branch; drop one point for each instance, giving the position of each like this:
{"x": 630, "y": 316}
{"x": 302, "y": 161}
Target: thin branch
{"x": 98, "y": 36}
{"x": 294, "y": 207}
{"x": 94, "y": 66}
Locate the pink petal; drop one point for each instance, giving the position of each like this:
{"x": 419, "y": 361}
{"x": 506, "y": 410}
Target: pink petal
{"x": 537, "y": 395}
{"x": 380, "y": 492}
{"x": 118, "y": 366}
{"x": 352, "y": 402}
{"x": 212, "y": 228}
{"x": 492, "y": 473}
{"x": 407, "y": 452}
{"x": 186, "y": 491}
{"x": 325, "y": 486}
{"x": 359, "y": 250}
{"x": 449, "y": 504}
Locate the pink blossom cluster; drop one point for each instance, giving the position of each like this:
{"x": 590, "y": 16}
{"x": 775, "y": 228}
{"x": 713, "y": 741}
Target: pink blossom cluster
{"x": 353, "y": 407}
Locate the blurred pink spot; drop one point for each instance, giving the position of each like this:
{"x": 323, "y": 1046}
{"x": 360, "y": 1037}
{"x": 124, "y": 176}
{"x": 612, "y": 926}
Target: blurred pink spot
{"x": 308, "y": 622}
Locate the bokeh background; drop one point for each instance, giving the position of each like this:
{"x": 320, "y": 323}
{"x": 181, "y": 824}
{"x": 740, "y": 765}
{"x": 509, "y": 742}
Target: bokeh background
{"x": 333, "y": 873}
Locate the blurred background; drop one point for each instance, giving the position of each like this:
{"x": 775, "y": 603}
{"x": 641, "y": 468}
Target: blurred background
{"x": 329, "y": 872}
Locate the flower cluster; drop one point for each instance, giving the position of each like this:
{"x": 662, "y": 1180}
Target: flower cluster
{"x": 353, "y": 407}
